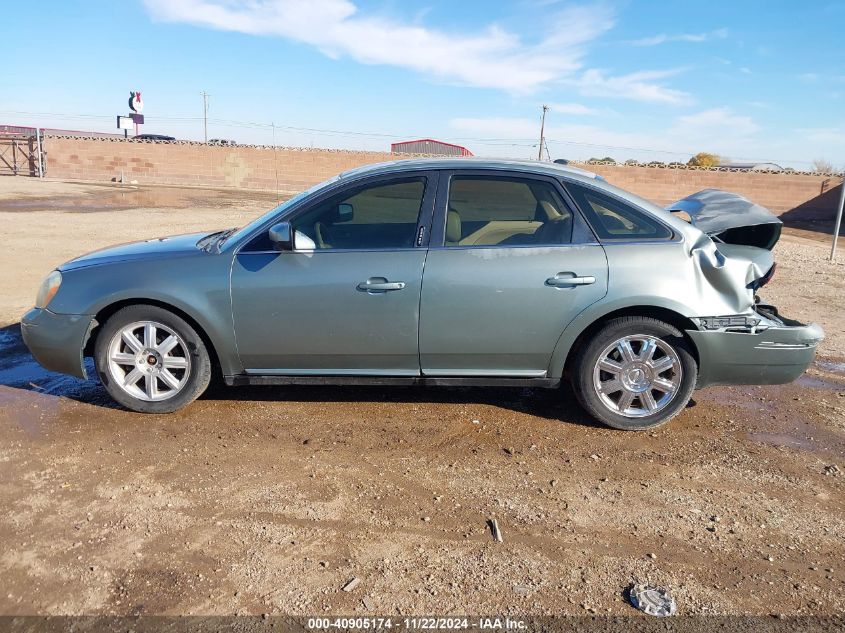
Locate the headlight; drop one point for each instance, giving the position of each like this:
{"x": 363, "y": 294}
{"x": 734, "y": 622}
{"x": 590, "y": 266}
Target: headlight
{"x": 49, "y": 288}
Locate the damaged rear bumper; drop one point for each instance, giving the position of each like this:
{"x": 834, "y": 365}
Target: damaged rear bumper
{"x": 776, "y": 351}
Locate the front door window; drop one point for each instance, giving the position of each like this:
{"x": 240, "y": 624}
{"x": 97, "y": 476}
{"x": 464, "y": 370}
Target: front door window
{"x": 382, "y": 216}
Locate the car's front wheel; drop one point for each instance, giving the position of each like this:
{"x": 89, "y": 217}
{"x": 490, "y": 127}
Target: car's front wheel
{"x": 151, "y": 360}
{"x": 636, "y": 373}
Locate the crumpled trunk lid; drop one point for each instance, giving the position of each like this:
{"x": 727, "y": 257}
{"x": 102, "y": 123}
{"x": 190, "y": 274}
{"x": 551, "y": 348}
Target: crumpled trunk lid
{"x": 731, "y": 218}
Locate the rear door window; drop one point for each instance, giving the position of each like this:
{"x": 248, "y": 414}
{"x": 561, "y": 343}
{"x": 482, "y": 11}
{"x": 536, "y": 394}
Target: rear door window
{"x": 613, "y": 219}
{"x": 505, "y": 211}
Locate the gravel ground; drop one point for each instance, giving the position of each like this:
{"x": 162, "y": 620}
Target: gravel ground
{"x": 271, "y": 500}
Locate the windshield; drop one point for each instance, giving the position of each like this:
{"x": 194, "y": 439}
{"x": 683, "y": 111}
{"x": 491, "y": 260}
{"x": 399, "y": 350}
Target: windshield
{"x": 264, "y": 217}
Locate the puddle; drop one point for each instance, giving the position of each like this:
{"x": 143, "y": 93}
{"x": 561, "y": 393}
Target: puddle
{"x": 125, "y": 198}
{"x": 19, "y": 370}
{"x": 814, "y": 382}
{"x": 749, "y": 398}
{"x": 782, "y": 439}
{"x": 798, "y": 431}
{"x": 836, "y": 367}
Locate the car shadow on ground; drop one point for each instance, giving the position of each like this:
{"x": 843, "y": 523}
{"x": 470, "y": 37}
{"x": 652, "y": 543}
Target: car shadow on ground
{"x": 552, "y": 404}
{"x": 19, "y": 370}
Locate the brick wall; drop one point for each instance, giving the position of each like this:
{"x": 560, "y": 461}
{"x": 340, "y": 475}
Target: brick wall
{"x": 776, "y": 191}
{"x": 297, "y": 169}
{"x": 247, "y": 167}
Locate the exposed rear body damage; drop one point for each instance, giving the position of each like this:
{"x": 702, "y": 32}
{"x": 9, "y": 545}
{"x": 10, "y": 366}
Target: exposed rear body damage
{"x": 730, "y": 218}
{"x": 756, "y": 345}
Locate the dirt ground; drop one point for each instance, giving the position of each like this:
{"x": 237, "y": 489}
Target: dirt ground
{"x": 270, "y": 500}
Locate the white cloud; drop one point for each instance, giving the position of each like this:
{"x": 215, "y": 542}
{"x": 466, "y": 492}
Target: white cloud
{"x": 573, "y": 108}
{"x": 498, "y": 127}
{"x": 830, "y": 135}
{"x": 577, "y": 141}
{"x": 639, "y": 86}
{"x": 716, "y": 130}
{"x": 490, "y": 58}
{"x": 714, "y": 124}
{"x": 662, "y": 38}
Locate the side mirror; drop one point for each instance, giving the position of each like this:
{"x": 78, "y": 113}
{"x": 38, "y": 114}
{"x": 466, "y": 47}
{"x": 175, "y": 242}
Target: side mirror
{"x": 281, "y": 236}
{"x": 345, "y": 212}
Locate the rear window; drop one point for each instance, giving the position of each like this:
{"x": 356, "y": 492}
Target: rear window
{"x": 613, "y": 219}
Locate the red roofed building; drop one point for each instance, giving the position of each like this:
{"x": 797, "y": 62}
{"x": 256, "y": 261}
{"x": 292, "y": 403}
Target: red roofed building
{"x": 429, "y": 146}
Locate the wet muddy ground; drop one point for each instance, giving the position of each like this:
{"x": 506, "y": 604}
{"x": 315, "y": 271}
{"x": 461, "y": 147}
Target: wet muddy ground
{"x": 268, "y": 500}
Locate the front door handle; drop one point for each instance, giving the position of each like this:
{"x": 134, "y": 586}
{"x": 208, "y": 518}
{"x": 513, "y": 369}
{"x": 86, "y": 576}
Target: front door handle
{"x": 375, "y": 285}
{"x": 565, "y": 280}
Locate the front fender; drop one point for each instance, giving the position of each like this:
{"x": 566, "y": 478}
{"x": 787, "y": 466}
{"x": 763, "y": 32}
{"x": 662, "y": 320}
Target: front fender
{"x": 198, "y": 287}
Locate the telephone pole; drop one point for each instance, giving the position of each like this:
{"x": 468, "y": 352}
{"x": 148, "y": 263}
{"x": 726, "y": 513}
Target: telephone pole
{"x": 205, "y": 96}
{"x": 542, "y": 133}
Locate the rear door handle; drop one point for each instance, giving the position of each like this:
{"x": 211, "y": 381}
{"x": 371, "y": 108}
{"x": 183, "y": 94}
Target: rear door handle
{"x": 564, "y": 280}
{"x": 375, "y": 285}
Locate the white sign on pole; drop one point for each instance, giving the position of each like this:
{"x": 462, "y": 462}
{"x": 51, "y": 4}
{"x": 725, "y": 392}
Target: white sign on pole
{"x": 124, "y": 123}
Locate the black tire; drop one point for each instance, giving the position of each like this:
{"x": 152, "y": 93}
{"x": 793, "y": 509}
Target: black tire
{"x": 198, "y": 375}
{"x": 589, "y": 354}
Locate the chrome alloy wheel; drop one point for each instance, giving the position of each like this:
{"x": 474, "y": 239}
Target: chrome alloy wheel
{"x": 149, "y": 361}
{"x": 637, "y": 375}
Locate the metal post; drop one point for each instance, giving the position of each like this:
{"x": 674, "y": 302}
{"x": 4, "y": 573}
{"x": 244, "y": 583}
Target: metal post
{"x": 838, "y": 219}
{"x": 275, "y": 162}
{"x": 38, "y": 149}
{"x": 205, "y": 115}
{"x": 542, "y": 133}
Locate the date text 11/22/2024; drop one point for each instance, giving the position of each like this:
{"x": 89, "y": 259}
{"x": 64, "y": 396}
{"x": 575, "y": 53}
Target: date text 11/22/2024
{"x": 418, "y": 623}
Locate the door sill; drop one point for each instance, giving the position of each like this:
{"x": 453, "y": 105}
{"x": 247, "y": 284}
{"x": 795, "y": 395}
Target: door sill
{"x": 379, "y": 381}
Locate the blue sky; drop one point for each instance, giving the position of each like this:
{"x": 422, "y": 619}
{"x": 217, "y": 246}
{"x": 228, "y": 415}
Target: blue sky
{"x": 630, "y": 79}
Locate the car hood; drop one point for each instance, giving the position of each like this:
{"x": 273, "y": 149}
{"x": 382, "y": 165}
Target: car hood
{"x": 157, "y": 247}
{"x": 730, "y": 217}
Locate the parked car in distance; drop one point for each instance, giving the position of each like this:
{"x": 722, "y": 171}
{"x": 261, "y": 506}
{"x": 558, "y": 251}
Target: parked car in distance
{"x": 438, "y": 272}
{"x": 221, "y": 141}
{"x": 154, "y": 137}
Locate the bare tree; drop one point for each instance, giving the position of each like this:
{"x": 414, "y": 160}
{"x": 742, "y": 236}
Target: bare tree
{"x": 823, "y": 166}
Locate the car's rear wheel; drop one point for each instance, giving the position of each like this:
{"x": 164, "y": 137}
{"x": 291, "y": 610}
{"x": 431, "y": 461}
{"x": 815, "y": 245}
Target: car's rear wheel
{"x": 636, "y": 373}
{"x": 150, "y": 360}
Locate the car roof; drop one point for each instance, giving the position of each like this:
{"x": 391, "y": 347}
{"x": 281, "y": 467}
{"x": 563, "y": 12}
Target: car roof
{"x": 465, "y": 163}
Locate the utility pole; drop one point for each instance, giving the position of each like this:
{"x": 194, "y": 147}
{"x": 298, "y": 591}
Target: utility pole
{"x": 542, "y": 133}
{"x": 205, "y": 96}
{"x": 275, "y": 162}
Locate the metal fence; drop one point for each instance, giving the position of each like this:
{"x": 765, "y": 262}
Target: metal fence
{"x": 21, "y": 154}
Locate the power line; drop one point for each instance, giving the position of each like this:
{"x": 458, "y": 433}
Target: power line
{"x": 488, "y": 141}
